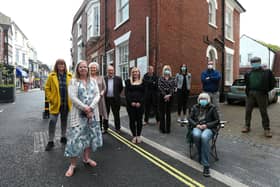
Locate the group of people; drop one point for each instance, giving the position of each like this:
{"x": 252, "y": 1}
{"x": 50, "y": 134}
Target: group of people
{"x": 88, "y": 97}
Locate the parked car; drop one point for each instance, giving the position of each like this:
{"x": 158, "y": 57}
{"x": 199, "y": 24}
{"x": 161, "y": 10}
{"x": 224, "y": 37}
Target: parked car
{"x": 237, "y": 92}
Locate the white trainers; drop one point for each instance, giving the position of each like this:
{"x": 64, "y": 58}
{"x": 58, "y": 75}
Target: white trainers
{"x": 179, "y": 120}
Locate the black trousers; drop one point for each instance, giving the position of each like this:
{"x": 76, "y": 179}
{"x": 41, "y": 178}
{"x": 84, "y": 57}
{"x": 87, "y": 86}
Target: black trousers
{"x": 261, "y": 99}
{"x": 135, "y": 120}
{"x": 111, "y": 103}
{"x": 165, "y": 116}
{"x": 103, "y": 123}
{"x": 182, "y": 100}
{"x": 151, "y": 101}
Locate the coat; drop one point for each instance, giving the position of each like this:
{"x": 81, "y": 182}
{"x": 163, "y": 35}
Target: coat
{"x": 53, "y": 94}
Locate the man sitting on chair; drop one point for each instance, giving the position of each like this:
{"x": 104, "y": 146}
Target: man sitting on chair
{"x": 204, "y": 120}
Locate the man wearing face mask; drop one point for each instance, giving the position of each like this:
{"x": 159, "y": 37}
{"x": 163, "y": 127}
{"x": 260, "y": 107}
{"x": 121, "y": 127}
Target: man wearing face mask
{"x": 210, "y": 79}
{"x": 203, "y": 119}
{"x": 183, "y": 80}
{"x": 259, "y": 82}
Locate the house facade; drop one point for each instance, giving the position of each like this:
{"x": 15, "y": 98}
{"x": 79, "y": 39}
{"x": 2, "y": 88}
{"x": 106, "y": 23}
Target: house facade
{"x": 250, "y": 47}
{"x": 127, "y": 33}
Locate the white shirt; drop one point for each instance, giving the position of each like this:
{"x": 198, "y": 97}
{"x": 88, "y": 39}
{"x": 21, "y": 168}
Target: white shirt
{"x": 110, "y": 91}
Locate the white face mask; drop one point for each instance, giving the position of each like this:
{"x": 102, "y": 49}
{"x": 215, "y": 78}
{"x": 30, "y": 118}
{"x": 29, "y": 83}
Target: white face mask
{"x": 210, "y": 66}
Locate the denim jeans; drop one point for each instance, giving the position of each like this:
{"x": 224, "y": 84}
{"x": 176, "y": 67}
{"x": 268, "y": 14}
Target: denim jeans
{"x": 201, "y": 139}
{"x": 53, "y": 121}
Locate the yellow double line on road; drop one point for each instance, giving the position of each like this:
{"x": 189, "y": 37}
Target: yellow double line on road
{"x": 158, "y": 162}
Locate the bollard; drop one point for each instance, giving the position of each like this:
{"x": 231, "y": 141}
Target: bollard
{"x": 46, "y": 113}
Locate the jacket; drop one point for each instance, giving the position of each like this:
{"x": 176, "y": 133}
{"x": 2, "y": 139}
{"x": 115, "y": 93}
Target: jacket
{"x": 150, "y": 82}
{"x": 268, "y": 81}
{"x": 211, "y": 117}
{"x": 53, "y": 94}
{"x": 118, "y": 87}
{"x": 180, "y": 79}
{"x": 210, "y": 80}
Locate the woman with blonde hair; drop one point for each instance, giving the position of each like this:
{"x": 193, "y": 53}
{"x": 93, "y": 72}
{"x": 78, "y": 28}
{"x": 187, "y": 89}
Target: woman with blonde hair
{"x": 134, "y": 94}
{"x": 166, "y": 86}
{"x": 85, "y": 134}
{"x": 94, "y": 74}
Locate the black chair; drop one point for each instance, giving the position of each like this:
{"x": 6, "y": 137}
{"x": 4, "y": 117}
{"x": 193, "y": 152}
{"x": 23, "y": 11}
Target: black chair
{"x": 213, "y": 151}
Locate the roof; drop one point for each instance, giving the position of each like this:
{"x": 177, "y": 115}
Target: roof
{"x": 272, "y": 47}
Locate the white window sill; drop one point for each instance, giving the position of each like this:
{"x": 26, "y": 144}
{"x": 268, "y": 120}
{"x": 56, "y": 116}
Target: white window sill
{"x": 213, "y": 25}
{"x": 120, "y": 24}
{"x": 230, "y": 39}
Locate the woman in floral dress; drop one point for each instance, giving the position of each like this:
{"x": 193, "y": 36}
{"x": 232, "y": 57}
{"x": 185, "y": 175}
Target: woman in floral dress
{"x": 84, "y": 133}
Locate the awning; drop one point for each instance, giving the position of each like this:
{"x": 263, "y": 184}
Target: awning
{"x": 21, "y": 73}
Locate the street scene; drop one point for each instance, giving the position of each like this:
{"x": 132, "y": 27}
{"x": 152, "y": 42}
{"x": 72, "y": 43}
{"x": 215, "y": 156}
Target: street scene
{"x": 139, "y": 93}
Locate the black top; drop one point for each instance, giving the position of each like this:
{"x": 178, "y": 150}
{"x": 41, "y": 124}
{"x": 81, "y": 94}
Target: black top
{"x": 134, "y": 93}
{"x": 150, "y": 82}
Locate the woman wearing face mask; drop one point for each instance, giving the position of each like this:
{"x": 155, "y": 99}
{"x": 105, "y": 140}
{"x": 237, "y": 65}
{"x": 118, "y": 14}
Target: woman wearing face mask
{"x": 204, "y": 120}
{"x": 166, "y": 86}
{"x": 183, "y": 80}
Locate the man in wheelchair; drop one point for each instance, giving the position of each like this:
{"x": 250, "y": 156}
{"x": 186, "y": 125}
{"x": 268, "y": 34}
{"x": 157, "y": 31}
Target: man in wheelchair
{"x": 204, "y": 122}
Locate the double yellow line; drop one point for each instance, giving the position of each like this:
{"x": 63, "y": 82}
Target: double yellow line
{"x": 158, "y": 162}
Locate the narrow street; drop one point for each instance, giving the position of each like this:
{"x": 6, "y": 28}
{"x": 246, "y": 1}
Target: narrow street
{"x": 23, "y": 135}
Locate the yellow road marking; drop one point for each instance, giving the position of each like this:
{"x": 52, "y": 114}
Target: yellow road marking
{"x": 163, "y": 165}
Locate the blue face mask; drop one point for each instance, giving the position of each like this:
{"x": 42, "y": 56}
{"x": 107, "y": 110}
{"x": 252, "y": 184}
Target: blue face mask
{"x": 203, "y": 102}
{"x": 167, "y": 72}
{"x": 183, "y": 68}
{"x": 255, "y": 65}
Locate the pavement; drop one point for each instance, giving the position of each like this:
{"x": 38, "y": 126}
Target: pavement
{"x": 244, "y": 159}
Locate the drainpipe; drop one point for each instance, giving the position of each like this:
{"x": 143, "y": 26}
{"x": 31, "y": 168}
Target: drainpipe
{"x": 222, "y": 95}
{"x": 147, "y": 40}
{"x": 105, "y": 38}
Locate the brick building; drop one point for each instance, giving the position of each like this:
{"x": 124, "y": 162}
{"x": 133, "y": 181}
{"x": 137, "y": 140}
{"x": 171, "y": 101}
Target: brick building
{"x": 159, "y": 32}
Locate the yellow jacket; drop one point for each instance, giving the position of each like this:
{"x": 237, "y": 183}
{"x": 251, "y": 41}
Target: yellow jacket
{"x": 52, "y": 92}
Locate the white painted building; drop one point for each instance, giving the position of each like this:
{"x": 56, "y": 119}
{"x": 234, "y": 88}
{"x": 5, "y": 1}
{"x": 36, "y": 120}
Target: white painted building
{"x": 250, "y": 47}
{"x": 20, "y": 47}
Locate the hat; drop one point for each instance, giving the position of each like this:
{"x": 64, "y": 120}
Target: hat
{"x": 255, "y": 59}
{"x": 204, "y": 96}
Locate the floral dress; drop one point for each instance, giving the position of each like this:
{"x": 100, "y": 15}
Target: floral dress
{"x": 87, "y": 133}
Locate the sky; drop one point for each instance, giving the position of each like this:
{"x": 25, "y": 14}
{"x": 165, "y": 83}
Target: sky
{"x": 48, "y": 23}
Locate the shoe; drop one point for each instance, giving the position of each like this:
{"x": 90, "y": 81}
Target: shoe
{"x": 179, "y": 120}
{"x": 70, "y": 171}
{"x": 206, "y": 171}
{"x": 267, "y": 133}
{"x": 245, "y": 130}
{"x": 185, "y": 120}
{"x": 138, "y": 139}
{"x": 49, "y": 146}
{"x": 90, "y": 162}
{"x": 134, "y": 140}
{"x": 145, "y": 123}
{"x": 104, "y": 132}
{"x": 118, "y": 131}
{"x": 63, "y": 140}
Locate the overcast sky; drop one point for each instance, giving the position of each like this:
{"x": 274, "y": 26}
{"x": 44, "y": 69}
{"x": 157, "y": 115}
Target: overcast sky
{"x": 47, "y": 23}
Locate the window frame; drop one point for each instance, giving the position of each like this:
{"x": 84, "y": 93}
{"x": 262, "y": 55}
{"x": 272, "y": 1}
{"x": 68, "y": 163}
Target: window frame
{"x": 119, "y": 12}
{"x": 229, "y": 23}
{"x": 93, "y": 20}
{"x": 122, "y": 61}
{"x": 212, "y": 13}
{"x": 229, "y": 66}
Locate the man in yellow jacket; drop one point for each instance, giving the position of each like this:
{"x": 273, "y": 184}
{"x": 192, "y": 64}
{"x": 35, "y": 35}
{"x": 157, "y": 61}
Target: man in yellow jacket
{"x": 56, "y": 91}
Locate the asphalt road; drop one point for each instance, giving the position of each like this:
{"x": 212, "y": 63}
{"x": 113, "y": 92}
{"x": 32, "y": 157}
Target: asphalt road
{"x": 23, "y": 136}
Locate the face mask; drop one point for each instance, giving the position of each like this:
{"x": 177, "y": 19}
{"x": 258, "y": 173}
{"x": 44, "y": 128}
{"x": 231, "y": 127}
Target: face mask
{"x": 183, "y": 68}
{"x": 167, "y": 72}
{"x": 203, "y": 102}
{"x": 255, "y": 65}
{"x": 210, "y": 66}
